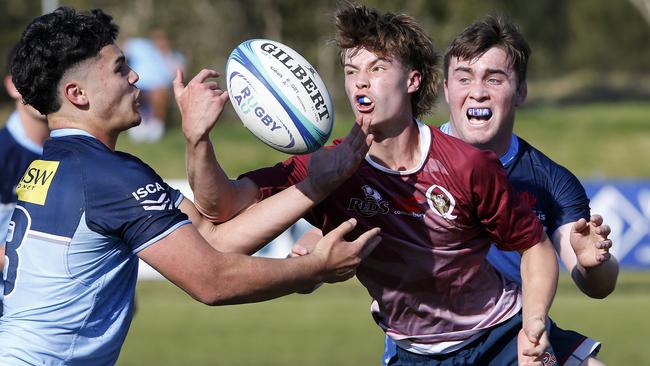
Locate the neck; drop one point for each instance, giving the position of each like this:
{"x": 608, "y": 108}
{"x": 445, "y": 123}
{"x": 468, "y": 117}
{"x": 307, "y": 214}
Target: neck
{"x": 397, "y": 149}
{"x": 35, "y": 128}
{"x": 108, "y": 138}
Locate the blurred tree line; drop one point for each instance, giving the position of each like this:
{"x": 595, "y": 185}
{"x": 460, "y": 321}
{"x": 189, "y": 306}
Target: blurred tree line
{"x": 582, "y": 49}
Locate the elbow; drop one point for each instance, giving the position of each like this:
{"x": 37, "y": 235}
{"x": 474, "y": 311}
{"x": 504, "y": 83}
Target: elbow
{"x": 212, "y": 298}
{"x": 602, "y": 291}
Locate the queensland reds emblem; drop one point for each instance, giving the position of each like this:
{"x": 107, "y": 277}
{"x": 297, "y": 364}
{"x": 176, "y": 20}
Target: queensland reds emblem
{"x": 441, "y": 202}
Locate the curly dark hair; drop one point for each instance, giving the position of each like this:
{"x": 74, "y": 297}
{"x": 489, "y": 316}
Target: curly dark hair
{"x": 50, "y": 45}
{"x": 492, "y": 31}
{"x": 392, "y": 35}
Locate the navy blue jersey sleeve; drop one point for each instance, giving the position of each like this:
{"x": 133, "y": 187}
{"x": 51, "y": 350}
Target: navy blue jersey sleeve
{"x": 553, "y": 192}
{"x": 131, "y": 202}
{"x": 570, "y": 199}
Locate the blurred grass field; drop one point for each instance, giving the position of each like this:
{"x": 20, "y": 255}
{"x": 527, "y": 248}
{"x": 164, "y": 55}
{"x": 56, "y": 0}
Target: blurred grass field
{"x": 592, "y": 140}
{"x": 333, "y": 327}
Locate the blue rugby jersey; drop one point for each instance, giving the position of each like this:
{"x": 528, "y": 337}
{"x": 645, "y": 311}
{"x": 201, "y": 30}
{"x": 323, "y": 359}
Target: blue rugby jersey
{"x": 83, "y": 213}
{"x": 556, "y": 196}
{"x": 16, "y": 152}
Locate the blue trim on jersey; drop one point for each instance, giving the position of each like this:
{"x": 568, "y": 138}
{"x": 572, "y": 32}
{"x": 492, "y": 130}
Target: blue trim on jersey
{"x": 157, "y": 238}
{"x": 512, "y": 151}
{"x": 505, "y": 158}
{"x": 62, "y": 132}
{"x": 17, "y": 131}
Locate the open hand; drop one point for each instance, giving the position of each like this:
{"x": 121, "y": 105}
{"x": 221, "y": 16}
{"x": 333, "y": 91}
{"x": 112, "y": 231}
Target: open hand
{"x": 590, "y": 241}
{"x": 329, "y": 167}
{"x": 201, "y": 102}
{"x": 340, "y": 257}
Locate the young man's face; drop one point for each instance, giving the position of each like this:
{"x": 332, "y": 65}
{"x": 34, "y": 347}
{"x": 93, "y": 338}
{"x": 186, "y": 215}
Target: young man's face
{"x": 483, "y": 94}
{"x": 379, "y": 87}
{"x": 112, "y": 92}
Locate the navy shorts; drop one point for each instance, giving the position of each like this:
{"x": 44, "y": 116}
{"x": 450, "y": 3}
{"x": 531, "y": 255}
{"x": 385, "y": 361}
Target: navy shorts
{"x": 498, "y": 347}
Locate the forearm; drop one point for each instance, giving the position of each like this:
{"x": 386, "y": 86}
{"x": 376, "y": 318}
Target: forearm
{"x": 255, "y": 279}
{"x": 215, "y": 195}
{"x": 216, "y": 278}
{"x": 269, "y": 218}
{"x": 249, "y": 231}
{"x": 596, "y": 282}
{"x": 539, "y": 274}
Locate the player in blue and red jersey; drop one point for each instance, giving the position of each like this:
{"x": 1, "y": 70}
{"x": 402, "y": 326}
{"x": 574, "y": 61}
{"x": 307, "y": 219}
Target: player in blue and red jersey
{"x": 21, "y": 141}
{"x": 439, "y": 202}
{"x": 485, "y": 81}
{"x": 86, "y": 213}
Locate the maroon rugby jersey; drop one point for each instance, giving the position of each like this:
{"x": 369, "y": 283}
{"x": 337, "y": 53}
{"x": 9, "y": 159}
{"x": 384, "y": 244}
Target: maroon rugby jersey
{"x": 429, "y": 277}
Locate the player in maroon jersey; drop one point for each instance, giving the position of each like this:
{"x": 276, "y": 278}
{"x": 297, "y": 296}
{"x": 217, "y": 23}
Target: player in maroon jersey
{"x": 439, "y": 202}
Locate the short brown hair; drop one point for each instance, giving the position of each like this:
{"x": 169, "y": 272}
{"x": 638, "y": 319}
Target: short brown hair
{"x": 392, "y": 35}
{"x": 491, "y": 31}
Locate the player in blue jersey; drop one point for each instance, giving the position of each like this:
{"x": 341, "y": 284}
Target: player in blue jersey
{"x": 86, "y": 212}
{"x": 485, "y": 82}
{"x": 21, "y": 141}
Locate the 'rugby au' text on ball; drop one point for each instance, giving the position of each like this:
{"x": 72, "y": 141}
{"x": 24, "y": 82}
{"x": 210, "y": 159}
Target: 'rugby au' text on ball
{"x": 249, "y": 102}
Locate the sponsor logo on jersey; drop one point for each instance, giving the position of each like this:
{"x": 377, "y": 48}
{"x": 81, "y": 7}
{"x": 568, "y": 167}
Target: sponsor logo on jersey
{"x": 35, "y": 184}
{"x": 163, "y": 202}
{"x": 531, "y": 201}
{"x": 371, "y": 205}
{"x": 548, "y": 359}
{"x": 442, "y": 203}
{"x": 408, "y": 206}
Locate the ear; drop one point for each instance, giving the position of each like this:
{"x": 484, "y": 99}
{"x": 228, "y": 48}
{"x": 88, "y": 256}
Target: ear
{"x": 11, "y": 88}
{"x": 446, "y": 87}
{"x": 75, "y": 94}
{"x": 415, "y": 77}
{"x": 522, "y": 92}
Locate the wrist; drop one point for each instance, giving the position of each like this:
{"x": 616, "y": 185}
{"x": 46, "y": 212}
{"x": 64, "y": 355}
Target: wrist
{"x": 310, "y": 190}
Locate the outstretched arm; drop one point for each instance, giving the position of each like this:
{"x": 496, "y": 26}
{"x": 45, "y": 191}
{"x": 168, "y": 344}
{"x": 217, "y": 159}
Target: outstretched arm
{"x": 539, "y": 274}
{"x": 217, "y": 278}
{"x": 201, "y": 102}
{"x": 584, "y": 249}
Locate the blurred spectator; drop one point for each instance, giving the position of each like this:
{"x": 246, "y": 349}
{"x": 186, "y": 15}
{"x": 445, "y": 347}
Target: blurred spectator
{"x": 21, "y": 141}
{"x": 155, "y": 62}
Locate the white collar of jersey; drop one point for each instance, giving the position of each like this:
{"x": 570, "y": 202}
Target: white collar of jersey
{"x": 505, "y": 158}
{"x": 425, "y": 142}
{"x": 17, "y": 131}
{"x": 62, "y": 132}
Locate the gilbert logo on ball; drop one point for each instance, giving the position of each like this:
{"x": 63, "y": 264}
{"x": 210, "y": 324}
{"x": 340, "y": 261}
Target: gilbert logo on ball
{"x": 279, "y": 96}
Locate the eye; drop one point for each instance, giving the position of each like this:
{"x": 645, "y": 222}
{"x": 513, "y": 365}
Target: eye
{"x": 464, "y": 81}
{"x": 494, "y": 81}
{"x": 349, "y": 72}
{"x": 378, "y": 68}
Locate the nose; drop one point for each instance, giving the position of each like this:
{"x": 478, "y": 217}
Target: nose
{"x": 133, "y": 77}
{"x": 479, "y": 92}
{"x": 362, "y": 80}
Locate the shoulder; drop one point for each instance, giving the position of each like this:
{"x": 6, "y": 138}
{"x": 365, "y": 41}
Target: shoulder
{"x": 540, "y": 162}
{"x": 461, "y": 155}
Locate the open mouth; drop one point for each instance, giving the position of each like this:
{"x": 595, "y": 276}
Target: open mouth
{"x": 479, "y": 113}
{"x": 363, "y": 103}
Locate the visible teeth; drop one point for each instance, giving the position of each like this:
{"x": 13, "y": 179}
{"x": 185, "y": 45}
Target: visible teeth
{"x": 363, "y": 100}
{"x": 479, "y": 112}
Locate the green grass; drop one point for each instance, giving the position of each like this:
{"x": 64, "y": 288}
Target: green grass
{"x": 333, "y": 327}
{"x": 595, "y": 140}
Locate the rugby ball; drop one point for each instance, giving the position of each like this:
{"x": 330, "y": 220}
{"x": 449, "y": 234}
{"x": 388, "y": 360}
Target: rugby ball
{"x": 279, "y": 96}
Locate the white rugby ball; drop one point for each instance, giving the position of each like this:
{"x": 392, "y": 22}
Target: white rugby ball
{"x": 279, "y": 96}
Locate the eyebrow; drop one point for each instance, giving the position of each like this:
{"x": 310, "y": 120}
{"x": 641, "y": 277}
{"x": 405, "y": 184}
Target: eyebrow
{"x": 374, "y": 62}
{"x": 120, "y": 60}
{"x": 488, "y": 71}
